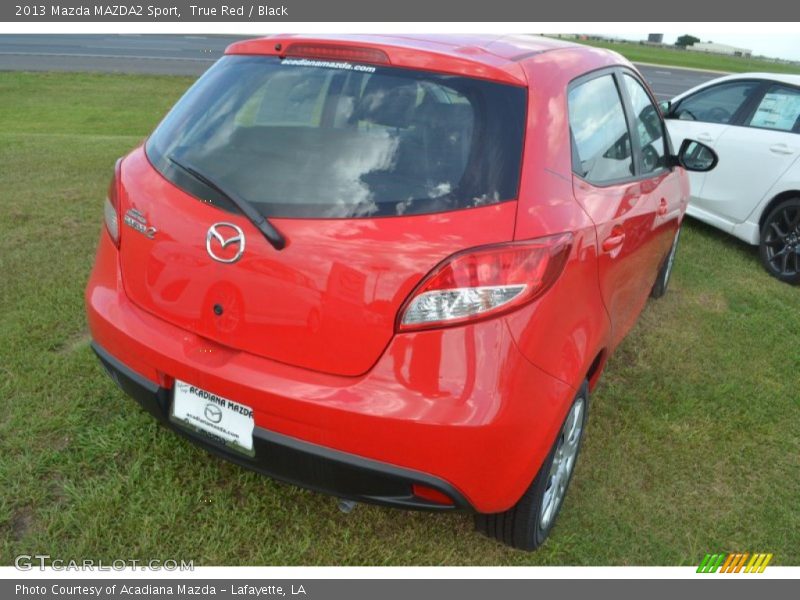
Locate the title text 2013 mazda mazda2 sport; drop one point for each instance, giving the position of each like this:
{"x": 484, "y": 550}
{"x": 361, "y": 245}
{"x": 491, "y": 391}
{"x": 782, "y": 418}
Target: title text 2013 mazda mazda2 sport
{"x": 391, "y": 268}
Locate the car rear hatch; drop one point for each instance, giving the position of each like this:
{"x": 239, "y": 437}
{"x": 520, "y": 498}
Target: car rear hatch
{"x": 372, "y": 174}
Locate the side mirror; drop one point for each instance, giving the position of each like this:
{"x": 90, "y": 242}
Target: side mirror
{"x": 694, "y": 156}
{"x": 665, "y": 105}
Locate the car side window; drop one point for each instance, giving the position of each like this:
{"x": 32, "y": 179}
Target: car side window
{"x": 649, "y": 126}
{"x": 717, "y": 104}
{"x": 779, "y": 109}
{"x": 601, "y": 144}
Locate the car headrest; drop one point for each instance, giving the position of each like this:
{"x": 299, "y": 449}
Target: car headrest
{"x": 447, "y": 116}
{"x": 387, "y": 101}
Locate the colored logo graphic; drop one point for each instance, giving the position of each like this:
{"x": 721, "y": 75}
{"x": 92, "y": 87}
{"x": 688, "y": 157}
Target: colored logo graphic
{"x": 735, "y": 562}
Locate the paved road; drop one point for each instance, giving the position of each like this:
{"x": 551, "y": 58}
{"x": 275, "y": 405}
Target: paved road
{"x": 193, "y": 54}
{"x": 162, "y": 54}
{"x": 667, "y": 82}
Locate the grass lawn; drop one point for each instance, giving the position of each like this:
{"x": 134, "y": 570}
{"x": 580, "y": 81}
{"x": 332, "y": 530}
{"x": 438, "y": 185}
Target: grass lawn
{"x": 693, "y": 442}
{"x": 694, "y": 60}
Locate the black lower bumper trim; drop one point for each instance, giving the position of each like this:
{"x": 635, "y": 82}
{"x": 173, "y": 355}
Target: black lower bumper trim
{"x": 292, "y": 460}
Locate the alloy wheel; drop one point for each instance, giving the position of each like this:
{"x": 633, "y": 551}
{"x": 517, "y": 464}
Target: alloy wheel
{"x": 671, "y": 259}
{"x": 563, "y": 464}
{"x": 782, "y": 241}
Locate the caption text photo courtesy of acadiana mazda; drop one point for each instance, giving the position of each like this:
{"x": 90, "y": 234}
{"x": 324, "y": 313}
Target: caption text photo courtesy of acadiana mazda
{"x": 392, "y": 269}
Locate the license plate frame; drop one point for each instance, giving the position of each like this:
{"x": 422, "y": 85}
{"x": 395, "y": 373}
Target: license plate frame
{"x": 209, "y": 415}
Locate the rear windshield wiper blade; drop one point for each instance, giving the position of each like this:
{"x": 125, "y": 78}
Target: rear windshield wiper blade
{"x": 273, "y": 236}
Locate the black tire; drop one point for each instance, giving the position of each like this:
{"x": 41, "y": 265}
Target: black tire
{"x": 665, "y": 272}
{"x": 780, "y": 242}
{"x": 523, "y": 526}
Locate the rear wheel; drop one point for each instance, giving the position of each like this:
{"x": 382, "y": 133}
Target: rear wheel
{"x": 527, "y": 524}
{"x": 780, "y": 241}
{"x": 665, "y": 272}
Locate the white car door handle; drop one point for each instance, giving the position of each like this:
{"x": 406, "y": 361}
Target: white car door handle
{"x": 705, "y": 137}
{"x": 781, "y": 149}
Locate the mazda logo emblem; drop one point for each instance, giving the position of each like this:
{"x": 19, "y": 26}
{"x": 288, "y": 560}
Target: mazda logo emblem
{"x": 222, "y": 235}
{"x": 213, "y": 413}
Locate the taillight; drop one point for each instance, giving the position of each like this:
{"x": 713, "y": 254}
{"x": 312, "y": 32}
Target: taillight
{"x": 485, "y": 282}
{"x": 111, "y": 206}
{"x": 337, "y": 52}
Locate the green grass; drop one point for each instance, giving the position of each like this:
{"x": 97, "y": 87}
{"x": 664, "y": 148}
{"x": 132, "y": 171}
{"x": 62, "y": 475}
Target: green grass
{"x": 693, "y": 60}
{"x": 692, "y": 446}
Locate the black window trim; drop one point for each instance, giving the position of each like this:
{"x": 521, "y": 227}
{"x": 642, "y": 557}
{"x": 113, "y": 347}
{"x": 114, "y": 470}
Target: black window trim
{"x": 617, "y": 72}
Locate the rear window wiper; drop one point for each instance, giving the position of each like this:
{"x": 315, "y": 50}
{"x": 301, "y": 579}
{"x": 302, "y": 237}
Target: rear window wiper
{"x": 273, "y": 236}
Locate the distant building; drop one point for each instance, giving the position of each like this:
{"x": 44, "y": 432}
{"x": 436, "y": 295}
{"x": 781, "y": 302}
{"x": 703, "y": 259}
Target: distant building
{"x": 713, "y": 48}
{"x": 655, "y": 38}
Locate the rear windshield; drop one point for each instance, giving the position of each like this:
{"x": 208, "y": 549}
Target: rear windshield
{"x": 310, "y": 138}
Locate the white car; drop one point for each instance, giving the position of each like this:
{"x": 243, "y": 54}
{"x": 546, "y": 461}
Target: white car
{"x": 752, "y": 121}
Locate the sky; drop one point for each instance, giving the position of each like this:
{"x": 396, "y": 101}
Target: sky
{"x": 772, "y": 45}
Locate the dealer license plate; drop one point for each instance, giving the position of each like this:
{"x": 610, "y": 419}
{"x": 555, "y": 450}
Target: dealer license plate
{"x": 225, "y": 421}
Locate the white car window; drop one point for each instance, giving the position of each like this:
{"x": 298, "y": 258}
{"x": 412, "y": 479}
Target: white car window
{"x": 779, "y": 109}
{"x": 717, "y": 104}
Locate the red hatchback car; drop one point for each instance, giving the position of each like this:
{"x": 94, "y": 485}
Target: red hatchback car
{"x": 392, "y": 268}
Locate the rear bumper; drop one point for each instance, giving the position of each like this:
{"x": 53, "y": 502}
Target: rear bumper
{"x": 295, "y": 461}
{"x": 459, "y": 410}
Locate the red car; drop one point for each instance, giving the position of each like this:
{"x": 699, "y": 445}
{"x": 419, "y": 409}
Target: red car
{"x": 392, "y": 268}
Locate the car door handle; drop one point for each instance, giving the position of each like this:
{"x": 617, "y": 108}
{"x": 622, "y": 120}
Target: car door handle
{"x": 781, "y": 149}
{"x": 662, "y": 208}
{"x": 705, "y": 137}
{"x": 613, "y": 241}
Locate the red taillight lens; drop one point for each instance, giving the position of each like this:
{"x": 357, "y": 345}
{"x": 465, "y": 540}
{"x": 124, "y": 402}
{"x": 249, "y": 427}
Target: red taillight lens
{"x": 111, "y": 206}
{"x": 336, "y": 52}
{"x": 485, "y": 282}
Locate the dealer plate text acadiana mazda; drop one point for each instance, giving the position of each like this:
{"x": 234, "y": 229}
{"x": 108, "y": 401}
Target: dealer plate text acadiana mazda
{"x": 390, "y": 268}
